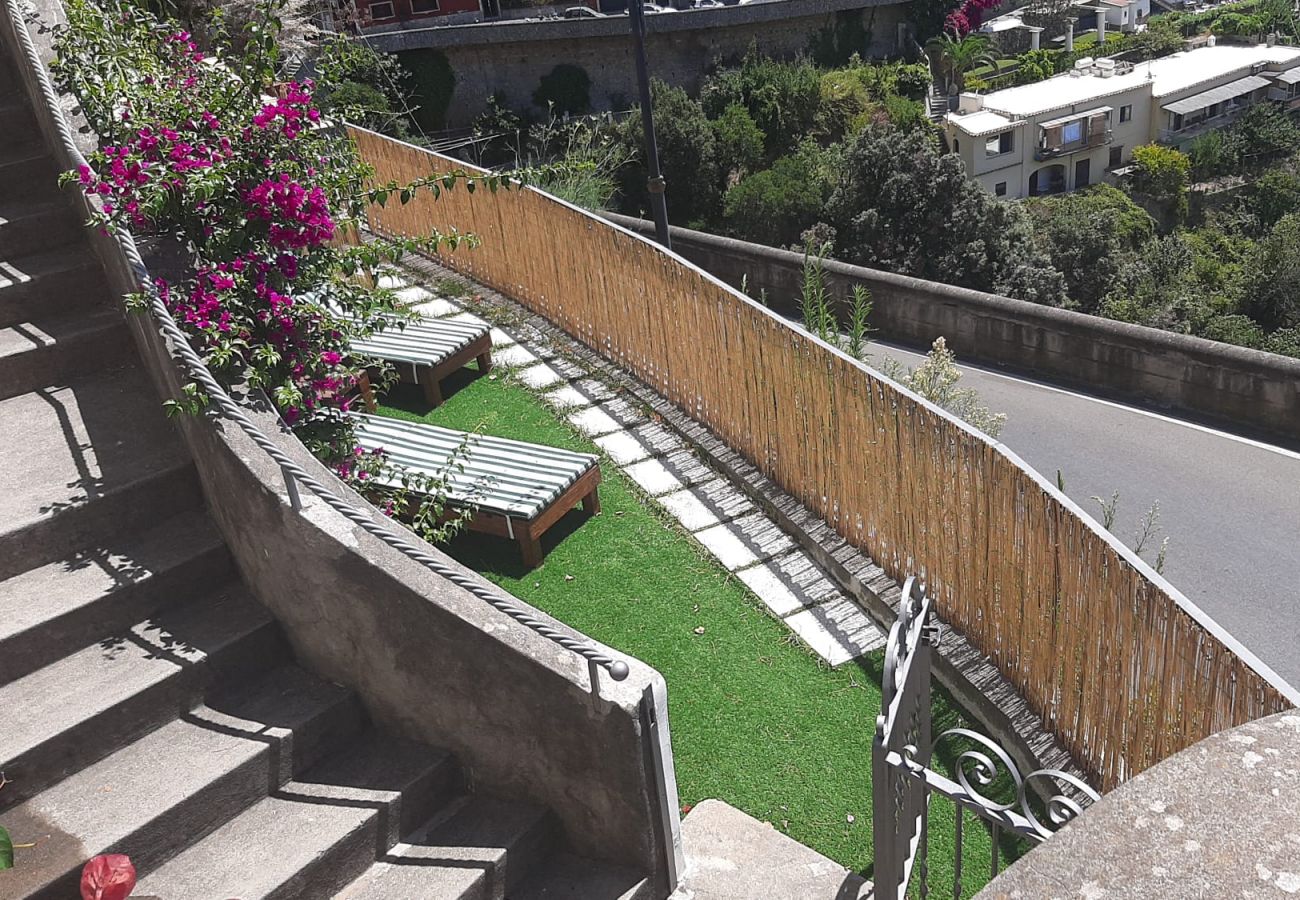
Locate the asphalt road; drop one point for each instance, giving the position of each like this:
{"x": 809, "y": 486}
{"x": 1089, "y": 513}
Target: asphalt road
{"x": 1229, "y": 506}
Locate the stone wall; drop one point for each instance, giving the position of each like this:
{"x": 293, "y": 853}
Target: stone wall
{"x": 1216, "y": 820}
{"x": 511, "y": 57}
{"x": 1252, "y": 392}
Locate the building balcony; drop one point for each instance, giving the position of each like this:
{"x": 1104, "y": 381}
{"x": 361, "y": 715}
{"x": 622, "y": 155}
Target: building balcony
{"x": 1196, "y": 129}
{"x": 1092, "y": 142}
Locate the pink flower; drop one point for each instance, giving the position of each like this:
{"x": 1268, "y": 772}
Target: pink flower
{"x": 110, "y": 877}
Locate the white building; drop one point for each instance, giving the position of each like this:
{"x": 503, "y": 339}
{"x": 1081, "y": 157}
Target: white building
{"x": 1066, "y": 132}
{"x": 1124, "y": 15}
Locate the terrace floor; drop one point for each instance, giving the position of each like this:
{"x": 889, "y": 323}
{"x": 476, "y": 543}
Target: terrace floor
{"x": 773, "y": 674}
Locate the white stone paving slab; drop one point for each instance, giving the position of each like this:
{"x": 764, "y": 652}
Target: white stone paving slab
{"x": 623, "y": 448}
{"x": 653, "y": 478}
{"x": 729, "y": 549}
{"x": 567, "y": 397}
{"x": 540, "y": 376}
{"x": 438, "y": 308}
{"x": 391, "y": 282}
{"x": 469, "y": 319}
{"x": 766, "y": 583}
{"x": 409, "y": 296}
{"x": 593, "y": 421}
{"x": 837, "y": 632}
{"x": 500, "y": 338}
{"x": 688, "y": 509}
{"x": 514, "y": 356}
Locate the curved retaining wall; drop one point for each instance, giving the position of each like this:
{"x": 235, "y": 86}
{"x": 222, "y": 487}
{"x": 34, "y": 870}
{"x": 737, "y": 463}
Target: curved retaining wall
{"x": 1247, "y": 390}
{"x": 428, "y": 659}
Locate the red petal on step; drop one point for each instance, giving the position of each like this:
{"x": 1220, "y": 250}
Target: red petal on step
{"x": 110, "y": 877}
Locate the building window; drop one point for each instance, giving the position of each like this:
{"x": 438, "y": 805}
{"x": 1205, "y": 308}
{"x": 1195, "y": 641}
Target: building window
{"x": 1116, "y": 157}
{"x": 1072, "y": 132}
{"x": 424, "y": 6}
{"x": 1000, "y": 189}
{"x": 1126, "y": 113}
{"x": 380, "y": 11}
{"x": 956, "y": 147}
{"x": 999, "y": 144}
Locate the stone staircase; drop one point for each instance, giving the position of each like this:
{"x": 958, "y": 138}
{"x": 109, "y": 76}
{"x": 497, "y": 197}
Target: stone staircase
{"x": 148, "y": 704}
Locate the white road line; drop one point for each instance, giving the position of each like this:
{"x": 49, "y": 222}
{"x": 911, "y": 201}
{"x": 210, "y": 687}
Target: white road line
{"x": 1281, "y": 451}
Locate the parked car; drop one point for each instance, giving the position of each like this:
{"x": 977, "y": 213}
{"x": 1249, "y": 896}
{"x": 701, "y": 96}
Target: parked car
{"x": 656, "y": 8}
{"x": 707, "y": 4}
{"x": 582, "y": 12}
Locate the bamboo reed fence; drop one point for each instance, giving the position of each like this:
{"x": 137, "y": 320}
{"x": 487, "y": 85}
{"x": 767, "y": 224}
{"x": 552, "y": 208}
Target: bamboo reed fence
{"x": 1122, "y": 669}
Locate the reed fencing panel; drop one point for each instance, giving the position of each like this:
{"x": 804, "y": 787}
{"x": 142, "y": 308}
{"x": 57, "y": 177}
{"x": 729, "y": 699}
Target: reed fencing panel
{"x": 1123, "y": 669}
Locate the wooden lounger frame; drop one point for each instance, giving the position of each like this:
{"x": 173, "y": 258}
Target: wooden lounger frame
{"x": 430, "y": 377}
{"x": 527, "y": 533}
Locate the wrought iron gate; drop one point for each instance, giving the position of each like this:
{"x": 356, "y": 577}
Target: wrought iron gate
{"x": 903, "y": 781}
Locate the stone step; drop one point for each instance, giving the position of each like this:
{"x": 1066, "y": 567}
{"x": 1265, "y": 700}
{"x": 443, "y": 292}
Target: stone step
{"x": 479, "y": 848}
{"x": 110, "y": 463}
{"x": 80, "y": 709}
{"x": 164, "y": 792}
{"x": 29, "y": 226}
{"x": 45, "y": 287}
{"x": 34, "y": 355}
{"x": 17, "y": 124}
{"x": 316, "y": 833}
{"x": 54, "y": 609}
{"x": 569, "y": 877}
{"x": 28, "y": 170}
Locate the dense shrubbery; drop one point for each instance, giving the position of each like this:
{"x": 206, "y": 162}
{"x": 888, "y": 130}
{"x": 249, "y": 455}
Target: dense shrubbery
{"x": 1263, "y": 133}
{"x": 900, "y": 204}
{"x": 205, "y": 151}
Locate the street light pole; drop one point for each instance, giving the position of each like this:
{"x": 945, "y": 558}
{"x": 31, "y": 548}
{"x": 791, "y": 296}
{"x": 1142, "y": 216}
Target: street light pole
{"x": 655, "y": 182}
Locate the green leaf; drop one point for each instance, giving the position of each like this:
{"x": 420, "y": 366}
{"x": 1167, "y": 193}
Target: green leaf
{"x": 6, "y": 850}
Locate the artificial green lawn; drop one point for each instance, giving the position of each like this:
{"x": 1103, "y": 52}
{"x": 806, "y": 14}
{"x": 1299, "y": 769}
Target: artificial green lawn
{"x": 756, "y": 719}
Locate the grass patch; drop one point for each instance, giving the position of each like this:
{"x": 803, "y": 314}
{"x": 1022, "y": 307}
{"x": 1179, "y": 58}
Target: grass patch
{"x": 987, "y": 72}
{"x": 756, "y": 719}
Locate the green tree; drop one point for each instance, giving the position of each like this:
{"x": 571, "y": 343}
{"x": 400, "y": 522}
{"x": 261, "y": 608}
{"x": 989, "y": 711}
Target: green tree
{"x": 844, "y": 104}
{"x": 1086, "y": 235}
{"x": 1272, "y": 296}
{"x": 1266, "y": 131}
{"x": 957, "y": 56}
{"x": 1272, "y": 196}
{"x": 1213, "y": 153}
{"x": 899, "y": 204}
{"x": 739, "y": 142}
{"x": 777, "y": 205}
{"x": 782, "y": 97}
{"x": 1163, "y": 174}
{"x": 363, "y": 85}
{"x": 688, "y": 156}
{"x": 1035, "y": 65}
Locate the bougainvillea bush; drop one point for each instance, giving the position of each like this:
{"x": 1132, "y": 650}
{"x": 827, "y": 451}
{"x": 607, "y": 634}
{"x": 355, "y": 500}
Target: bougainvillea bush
{"x": 205, "y": 149}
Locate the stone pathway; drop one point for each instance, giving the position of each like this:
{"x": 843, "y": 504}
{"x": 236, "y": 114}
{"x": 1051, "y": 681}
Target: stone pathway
{"x": 720, "y": 517}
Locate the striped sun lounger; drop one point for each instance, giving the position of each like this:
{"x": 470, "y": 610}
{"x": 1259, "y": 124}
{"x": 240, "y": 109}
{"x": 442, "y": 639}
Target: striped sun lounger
{"x": 515, "y": 489}
{"x": 428, "y": 350}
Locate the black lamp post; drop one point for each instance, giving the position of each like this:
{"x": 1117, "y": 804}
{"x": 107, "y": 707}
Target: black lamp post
{"x": 655, "y": 183}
